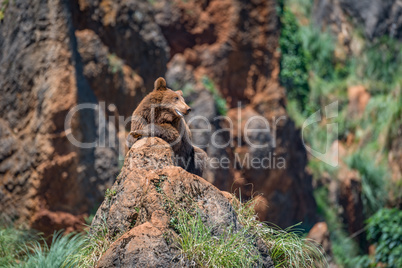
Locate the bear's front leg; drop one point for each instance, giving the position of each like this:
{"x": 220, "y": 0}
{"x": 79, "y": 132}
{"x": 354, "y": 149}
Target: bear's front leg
{"x": 164, "y": 131}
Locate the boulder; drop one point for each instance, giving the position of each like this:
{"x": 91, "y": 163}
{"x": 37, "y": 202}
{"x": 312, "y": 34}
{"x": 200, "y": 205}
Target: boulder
{"x": 140, "y": 208}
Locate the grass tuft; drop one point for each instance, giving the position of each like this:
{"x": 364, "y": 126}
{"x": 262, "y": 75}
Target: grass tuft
{"x": 236, "y": 248}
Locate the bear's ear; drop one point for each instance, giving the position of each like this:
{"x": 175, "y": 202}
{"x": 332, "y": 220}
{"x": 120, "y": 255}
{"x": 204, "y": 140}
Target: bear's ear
{"x": 179, "y": 92}
{"x": 160, "y": 84}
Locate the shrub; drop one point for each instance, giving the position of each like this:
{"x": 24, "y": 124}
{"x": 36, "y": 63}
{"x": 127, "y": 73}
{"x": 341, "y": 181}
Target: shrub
{"x": 293, "y": 74}
{"x": 385, "y": 230}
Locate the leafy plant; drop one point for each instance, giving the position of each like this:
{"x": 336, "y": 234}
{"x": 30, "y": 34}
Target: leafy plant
{"x": 385, "y": 230}
{"x": 110, "y": 193}
{"x": 293, "y": 75}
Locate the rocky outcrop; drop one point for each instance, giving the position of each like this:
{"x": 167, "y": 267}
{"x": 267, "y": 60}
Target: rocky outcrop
{"x": 144, "y": 196}
{"x": 39, "y": 82}
{"x": 129, "y": 30}
{"x": 233, "y": 51}
{"x": 378, "y": 17}
{"x": 55, "y": 56}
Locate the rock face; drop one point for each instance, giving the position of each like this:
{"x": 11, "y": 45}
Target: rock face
{"x": 147, "y": 188}
{"x": 107, "y": 54}
{"x": 53, "y": 59}
{"x": 234, "y": 45}
{"x": 378, "y": 17}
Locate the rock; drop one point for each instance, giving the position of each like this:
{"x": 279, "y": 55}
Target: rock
{"x": 234, "y": 43}
{"x": 48, "y": 221}
{"x": 350, "y": 190}
{"x": 112, "y": 81}
{"x": 142, "y": 246}
{"x": 41, "y": 169}
{"x": 358, "y": 99}
{"x": 320, "y": 234}
{"x": 54, "y": 57}
{"x": 129, "y": 30}
{"x": 378, "y": 18}
{"x": 147, "y": 189}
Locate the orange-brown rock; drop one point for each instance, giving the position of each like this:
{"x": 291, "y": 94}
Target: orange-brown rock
{"x": 350, "y": 190}
{"x": 358, "y": 99}
{"x": 320, "y": 234}
{"x": 147, "y": 188}
{"x": 54, "y": 56}
{"x": 235, "y": 44}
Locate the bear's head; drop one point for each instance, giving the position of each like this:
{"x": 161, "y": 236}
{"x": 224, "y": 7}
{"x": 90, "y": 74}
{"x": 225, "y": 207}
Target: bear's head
{"x": 170, "y": 102}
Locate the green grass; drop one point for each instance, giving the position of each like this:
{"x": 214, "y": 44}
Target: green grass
{"x": 374, "y": 178}
{"x": 59, "y": 254}
{"x": 22, "y": 248}
{"x": 236, "y": 248}
{"x": 12, "y": 245}
{"x": 287, "y": 247}
{"x": 200, "y": 246}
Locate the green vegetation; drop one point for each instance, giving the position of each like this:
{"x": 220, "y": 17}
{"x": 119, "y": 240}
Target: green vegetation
{"x": 236, "y": 248}
{"x": 373, "y": 177}
{"x": 3, "y": 8}
{"x": 60, "y": 254}
{"x": 294, "y": 74}
{"x": 220, "y": 102}
{"x": 12, "y": 245}
{"x": 328, "y": 70}
{"x": 115, "y": 63}
{"x": 22, "y": 248}
{"x": 109, "y": 194}
{"x": 198, "y": 242}
{"x": 385, "y": 230}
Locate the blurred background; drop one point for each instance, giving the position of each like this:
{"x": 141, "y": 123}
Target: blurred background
{"x": 274, "y": 58}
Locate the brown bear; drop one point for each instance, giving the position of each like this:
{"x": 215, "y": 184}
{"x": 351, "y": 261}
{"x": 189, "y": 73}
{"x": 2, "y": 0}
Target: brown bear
{"x": 160, "y": 114}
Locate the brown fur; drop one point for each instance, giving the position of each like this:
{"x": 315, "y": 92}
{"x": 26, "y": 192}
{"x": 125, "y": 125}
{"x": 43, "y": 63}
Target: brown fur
{"x": 160, "y": 114}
